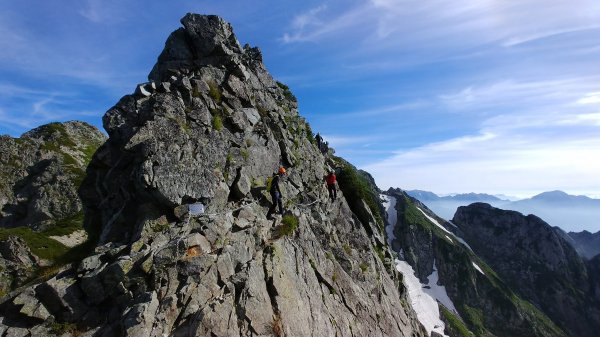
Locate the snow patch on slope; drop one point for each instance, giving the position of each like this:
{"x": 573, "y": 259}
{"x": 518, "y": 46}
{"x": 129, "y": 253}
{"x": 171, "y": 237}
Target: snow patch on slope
{"x": 424, "y": 298}
{"x": 477, "y": 267}
{"x": 435, "y": 222}
{"x": 422, "y": 303}
{"x": 389, "y": 204}
{"x": 438, "y": 291}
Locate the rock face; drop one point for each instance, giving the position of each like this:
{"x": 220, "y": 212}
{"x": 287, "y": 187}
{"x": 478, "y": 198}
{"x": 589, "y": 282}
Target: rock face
{"x": 586, "y": 243}
{"x": 486, "y": 304}
{"x": 535, "y": 261}
{"x": 41, "y": 171}
{"x": 39, "y": 176}
{"x": 211, "y": 127}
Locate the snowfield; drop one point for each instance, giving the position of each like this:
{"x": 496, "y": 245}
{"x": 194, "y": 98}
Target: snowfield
{"x": 435, "y": 222}
{"x": 423, "y": 297}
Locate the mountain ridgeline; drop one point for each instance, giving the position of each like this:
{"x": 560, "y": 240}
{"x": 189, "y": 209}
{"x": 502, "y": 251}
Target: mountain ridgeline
{"x": 484, "y": 303}
{"x": 212, "y": 126}
{"x": 40, "y": 213}
{"x": 537, "y": 262}
{"x": 572, "y": 213}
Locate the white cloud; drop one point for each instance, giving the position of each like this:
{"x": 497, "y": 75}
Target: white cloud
{"x": 503, "y": 159}
{"x": 590, "y": 98}
{"x": 448, "y": 24}
{"x": 547, "y": 92}
{"x": 102, "y": 11}
{"x": 519, "y": 40}
{"x": 317, "y": 23}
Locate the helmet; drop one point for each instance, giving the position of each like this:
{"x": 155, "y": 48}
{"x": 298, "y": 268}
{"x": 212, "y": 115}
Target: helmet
{"x": 281, "y": 170}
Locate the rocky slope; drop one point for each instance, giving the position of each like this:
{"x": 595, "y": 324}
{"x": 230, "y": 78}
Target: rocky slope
{"x": 39, "y": 176}
{"x": 212, "y": 126}
{"x": 586, "y": 243}
{"x": 485, "y": 304}
{"x": 537, "y": 262}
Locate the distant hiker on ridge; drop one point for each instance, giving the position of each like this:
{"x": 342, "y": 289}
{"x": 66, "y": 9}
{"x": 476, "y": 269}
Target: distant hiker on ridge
{"x": 331, "y": 180}
{"x": 319, "y": 140}
{"x": 276, "y": 193}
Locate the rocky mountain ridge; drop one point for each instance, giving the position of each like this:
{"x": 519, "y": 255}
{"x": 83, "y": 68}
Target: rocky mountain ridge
{"x": 485, "y": 304}
{"x": 211, "y": 127}
{"x": 572, "y": 213}
{"x": 39, "y": 207}
{"x": 587, "y": 244}
{"x": 535, "y": 261}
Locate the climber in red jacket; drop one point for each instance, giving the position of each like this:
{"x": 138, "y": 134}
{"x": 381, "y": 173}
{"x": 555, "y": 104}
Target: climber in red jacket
{"x": 331, "y": 180}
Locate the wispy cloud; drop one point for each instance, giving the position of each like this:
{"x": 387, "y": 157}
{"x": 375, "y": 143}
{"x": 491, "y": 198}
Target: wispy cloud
{"x": 511, "y": 92}
{"x": 519, "y": 40}
{"x": 101, "y": 11}
{"x": 495, "y": 163}
{"x": 589, "y": 98}
{"x": 317, "y": 23}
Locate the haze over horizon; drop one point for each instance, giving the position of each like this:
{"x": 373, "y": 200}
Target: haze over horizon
{"x": 486, "y": 97}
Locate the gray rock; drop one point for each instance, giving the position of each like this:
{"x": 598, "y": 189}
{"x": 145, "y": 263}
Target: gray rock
{"x": 198, "y": 240}
{"x": 139, "y": 320}
{"x": 30, "y": 306}
{"x": 63, "y": 298}
{"x": 241, "y": 186}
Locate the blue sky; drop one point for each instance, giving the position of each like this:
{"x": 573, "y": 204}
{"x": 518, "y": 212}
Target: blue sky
{"x": 448, "y": 96}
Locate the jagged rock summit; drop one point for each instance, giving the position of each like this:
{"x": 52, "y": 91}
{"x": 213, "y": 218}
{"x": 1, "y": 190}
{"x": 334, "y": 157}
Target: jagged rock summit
{"x": 212, "y": 126}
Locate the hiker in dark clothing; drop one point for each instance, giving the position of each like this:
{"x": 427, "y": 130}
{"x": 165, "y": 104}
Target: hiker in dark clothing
{"x": 331, "y": 180}
{"x": 276, "y": 193}
{"x": 319, "y": 140}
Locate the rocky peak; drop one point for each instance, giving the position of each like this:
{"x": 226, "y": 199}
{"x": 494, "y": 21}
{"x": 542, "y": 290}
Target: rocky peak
{"x": 536, "y": 261}
{"x": 213, "y": 126}
{"x": 203, "y": 40}
{"x": 42, "y": 170}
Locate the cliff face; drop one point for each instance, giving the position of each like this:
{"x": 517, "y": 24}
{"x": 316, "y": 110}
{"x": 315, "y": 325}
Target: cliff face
{"x": 483, "y": 301}
{"x": 39, "y": 176}
{"x": 41, "y": 171}
{"x": 537, "y": 262}
{"x": 585, "y": 243}
{"x": 212, "y": 127}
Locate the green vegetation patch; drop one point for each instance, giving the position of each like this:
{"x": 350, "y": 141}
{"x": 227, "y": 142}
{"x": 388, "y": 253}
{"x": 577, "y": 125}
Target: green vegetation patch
{"x": 214, "y": 91}
{"x": 474, "y": 318}
{"x": 40, "y": 244}
{"x": 55, "y": 136}
{"x": 287, "y": 92}
{"x": 455, "y": 325}
{"x": 217, "y": 122}
{"x": 66, "y": 225}
{"x": 59, "y": 329}
{"x": 356, "y": 188}
{"x": 289, "y": 223}
{"x": 542, "y": 323}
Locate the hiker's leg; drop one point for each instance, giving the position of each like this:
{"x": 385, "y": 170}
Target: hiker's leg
{"x": 273, "y": 205}
{"x": 280, "y": 204}
{"x": 271, "y": 210}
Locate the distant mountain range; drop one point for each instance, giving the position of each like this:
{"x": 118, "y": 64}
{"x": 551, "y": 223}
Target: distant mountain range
{"x": 572, "y": 213}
